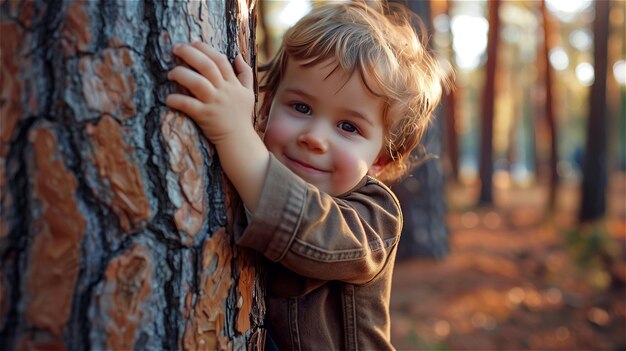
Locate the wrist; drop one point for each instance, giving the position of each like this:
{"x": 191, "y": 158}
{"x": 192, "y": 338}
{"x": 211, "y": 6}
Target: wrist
{"x": 244, "y": 160}
{"x": 240, "y": 139}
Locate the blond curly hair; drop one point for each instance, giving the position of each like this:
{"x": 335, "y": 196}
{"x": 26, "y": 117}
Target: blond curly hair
{"x": 379, "y": 42}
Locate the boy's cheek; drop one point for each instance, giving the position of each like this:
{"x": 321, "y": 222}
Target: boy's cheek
{"x": 276, "y": 134}
{"x": 282, "y": 123}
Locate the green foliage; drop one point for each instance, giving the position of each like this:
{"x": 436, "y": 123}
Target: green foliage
{"x": 423, "y": 345}
{"x": 591, "y": 248}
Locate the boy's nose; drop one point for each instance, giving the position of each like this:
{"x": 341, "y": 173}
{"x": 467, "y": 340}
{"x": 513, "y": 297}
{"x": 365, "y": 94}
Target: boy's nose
{"x": 314, "y": 139}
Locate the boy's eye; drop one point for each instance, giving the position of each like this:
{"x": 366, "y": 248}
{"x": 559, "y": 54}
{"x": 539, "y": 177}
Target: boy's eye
{"x": 302, "y": 108}
{"x": 348, "y": 127}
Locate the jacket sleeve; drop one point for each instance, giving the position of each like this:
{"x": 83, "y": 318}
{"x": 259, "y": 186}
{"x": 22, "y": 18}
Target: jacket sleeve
{"x": 347, "y": 238}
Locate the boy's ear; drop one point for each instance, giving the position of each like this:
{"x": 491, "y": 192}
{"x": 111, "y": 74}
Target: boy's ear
{"x": 378, "y": 165}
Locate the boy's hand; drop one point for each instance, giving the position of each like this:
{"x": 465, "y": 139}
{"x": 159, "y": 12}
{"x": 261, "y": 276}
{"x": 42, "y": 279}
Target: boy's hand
{"x": 222, "y": 100}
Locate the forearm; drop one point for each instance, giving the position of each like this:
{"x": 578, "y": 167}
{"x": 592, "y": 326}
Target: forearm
{"x": 245, "y": 161}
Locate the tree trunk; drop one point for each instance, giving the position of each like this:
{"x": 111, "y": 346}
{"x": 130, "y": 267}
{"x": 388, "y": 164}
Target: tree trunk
{"x": 549, "y": 33}
{"x": 114, "y": 228}
{"x": 424, "y": 233}
{"x": 595, "y": 167}
{"x": 451, "y": 136}
{"x": 449, "y": 111}
{"x": 488, "y": 105}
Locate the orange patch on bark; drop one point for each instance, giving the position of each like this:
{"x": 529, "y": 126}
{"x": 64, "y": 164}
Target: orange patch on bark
{"x": 205, "y": 329}
{"x": 108, "y": 83}
{"x": 245, "y": 288}
{"x": 128, "y": 281}
{"x": 11, "y": 85}
{"x": 200, "y": 11}
{"x": 55, "y": 251}
{"x": 181, "y": 138}
{"x": 27, "y": 13}
{"x": 76, "y": 30}
{"x": 129, "y": 200}
{"x": 30, "y": 341}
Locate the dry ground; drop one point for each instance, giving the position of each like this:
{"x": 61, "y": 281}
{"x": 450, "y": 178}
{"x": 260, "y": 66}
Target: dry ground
{"x": 517, "y": 277}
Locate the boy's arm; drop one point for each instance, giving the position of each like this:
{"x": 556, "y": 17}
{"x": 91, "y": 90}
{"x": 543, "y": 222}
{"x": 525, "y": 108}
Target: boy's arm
{"x": 221, "y": 102}
{"x": 351, "y": 238}
{"x": 245, "y": 161}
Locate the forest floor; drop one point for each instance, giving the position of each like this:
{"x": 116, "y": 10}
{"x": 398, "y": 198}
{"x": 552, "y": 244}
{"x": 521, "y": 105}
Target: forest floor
{"x": 518, "y": 277}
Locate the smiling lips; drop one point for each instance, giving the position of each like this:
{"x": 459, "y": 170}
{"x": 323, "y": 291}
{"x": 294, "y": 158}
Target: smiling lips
{"x": 305, "y": 166}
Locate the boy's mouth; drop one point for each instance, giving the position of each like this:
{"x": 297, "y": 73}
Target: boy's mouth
{"x": 304, "y": 166}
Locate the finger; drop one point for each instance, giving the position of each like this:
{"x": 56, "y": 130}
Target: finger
{"x": 244, "y": 72}
{"x": 198, "y": 85}
{"x": 186, "y": 104}
{"x": 199, "y": 61}
{"x": 220, "y": 60}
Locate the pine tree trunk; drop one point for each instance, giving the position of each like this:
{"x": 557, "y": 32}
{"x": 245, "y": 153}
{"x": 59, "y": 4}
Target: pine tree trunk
{"x": 549, "y": 33}
{"x": 488, "y": 106}
{"x": 450, "y": 136}
{"x": 595, "y": 167}
{"x": 114, "y": 214}
{"x": 424, "y": 233}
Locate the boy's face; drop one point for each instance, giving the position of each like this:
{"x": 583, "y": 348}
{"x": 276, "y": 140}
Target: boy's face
{"x": 324, "y": 128}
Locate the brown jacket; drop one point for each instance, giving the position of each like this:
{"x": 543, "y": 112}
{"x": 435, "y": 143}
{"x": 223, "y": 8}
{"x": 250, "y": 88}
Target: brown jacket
{"x": 331, "y": 262}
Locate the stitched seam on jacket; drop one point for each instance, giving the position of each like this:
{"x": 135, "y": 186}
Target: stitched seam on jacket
{"x": 315, "y": 253}
{"x": 293, "y": 324}
{"x": 289, "y": 226}
{"x": 349, "y": 311}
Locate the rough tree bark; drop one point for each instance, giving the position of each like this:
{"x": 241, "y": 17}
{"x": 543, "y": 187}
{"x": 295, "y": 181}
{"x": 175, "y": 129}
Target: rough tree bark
{"x": 114, "y": 219}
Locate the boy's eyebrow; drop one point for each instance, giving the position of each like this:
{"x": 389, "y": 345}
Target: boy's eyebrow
{"x": 300, "y": 92}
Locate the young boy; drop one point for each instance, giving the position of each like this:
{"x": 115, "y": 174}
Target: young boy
{"x": 346, "y": 100}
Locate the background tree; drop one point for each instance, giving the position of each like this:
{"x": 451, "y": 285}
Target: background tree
{"x": 549, "y": 33}
{"x": 424, "y": 233}
{"x": 451, "y": 139}
{"x": 595, "y": 167}
{"x": 114, "y": 218}
{"x": 488, "y": 105}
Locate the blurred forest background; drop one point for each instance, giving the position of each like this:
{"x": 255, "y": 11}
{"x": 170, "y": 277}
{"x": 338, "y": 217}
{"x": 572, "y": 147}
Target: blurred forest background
{"x": 515, "y": 235}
